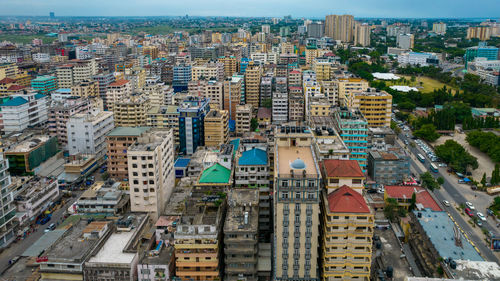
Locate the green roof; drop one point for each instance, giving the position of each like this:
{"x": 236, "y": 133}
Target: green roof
{"x": 128, "y": 131}
{"x": 215, "y": 174}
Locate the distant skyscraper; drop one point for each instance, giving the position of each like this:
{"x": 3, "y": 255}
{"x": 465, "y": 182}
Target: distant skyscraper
{"x": 362, "y": 35}
{"x": 266, "y": 29}
{"x": 315, "y": 30}
{"x": 439, "y": 28}
{"x": 340, "y": 27}
{"x": 52, "y": 15}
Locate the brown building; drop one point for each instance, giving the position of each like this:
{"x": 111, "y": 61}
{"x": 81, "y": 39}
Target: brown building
{"x": 118, "y": 142}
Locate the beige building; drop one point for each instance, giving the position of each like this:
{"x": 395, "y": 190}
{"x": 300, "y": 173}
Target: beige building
{"x": 323, "y": 69}
{"x": 151, "y": 171}
{"x": 131, "y": 112}
{"x": 295, "y": 78}
{"x": 117, "y": 91}
{"x": 75, "y": 72}
{"x": 330, "y": 89}
{"x": 319, "y": 106}
{"x": 340, "y": 27}
{"x": 482, "y": 33}
{"x": 296, "y": 205}
{"x": 243, "y": 118}
{"x": 296, "y": 106}
{"x": 210, "y": 70}
{"x": 211, "y": 89}
{"x": 375, "y": 105}
{"x": 230, "y": 65}
{"x": 348, "y": 224}
{"x": 362, "y": 35}
{"x": 347, "y": 87}
{"x": 233, "y": 90}
{"x": 164, "y": 117}
{"x": 216, "y": 126}
{"x": 252, "y": 85}
{"x": 85, "y": 89}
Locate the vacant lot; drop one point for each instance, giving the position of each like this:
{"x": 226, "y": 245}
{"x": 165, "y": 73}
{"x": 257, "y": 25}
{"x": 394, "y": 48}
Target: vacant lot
{"x": 424, "y": 84}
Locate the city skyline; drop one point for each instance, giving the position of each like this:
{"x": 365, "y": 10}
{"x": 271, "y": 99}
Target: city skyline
{"x": 362, "y": 8}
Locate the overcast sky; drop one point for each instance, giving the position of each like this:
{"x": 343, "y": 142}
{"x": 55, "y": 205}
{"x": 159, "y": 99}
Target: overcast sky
{"x": 268, "y": 8}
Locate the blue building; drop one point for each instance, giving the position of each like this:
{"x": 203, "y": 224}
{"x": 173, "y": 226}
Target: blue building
{"x": 481, "y": 51}
{"x": 192, "y": 112}
{"x": 180, "y": 167}
{"x": 181, "y": 77}
{"x": 353, "y": 129}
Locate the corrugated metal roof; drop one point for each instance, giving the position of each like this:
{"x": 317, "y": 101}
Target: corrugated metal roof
{"x": 252, "y": 157}
{"x": 44, "y": 243}
{"x": 216, "y": 174}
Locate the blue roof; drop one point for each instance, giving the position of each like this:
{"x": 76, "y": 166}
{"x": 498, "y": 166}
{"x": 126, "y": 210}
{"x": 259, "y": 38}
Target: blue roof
{"x": 254, "y": 156}
{"x": 439, "y": 228}
{"x": 181, "y": 162}
{"x": 39, "y": 96}
{"x": 17, "y": 101}
{"x": 235, "y": 143}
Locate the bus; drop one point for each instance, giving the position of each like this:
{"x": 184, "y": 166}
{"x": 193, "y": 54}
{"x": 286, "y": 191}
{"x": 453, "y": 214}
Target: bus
{"x": 421, "y": 158}
{"x": 434, "y": 168}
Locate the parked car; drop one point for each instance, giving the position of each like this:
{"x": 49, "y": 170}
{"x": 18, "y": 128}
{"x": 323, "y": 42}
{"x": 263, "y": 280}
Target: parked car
{"x": 51, "y": 227}
{"x": 446, "y": 203}
{"x": 481, "y": 216}
{"x": 469, "y": 204}
{"x": 469, "y": 212}
{"x": 489, "y": 212}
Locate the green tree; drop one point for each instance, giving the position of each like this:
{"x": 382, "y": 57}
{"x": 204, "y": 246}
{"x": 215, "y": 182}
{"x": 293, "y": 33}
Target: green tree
{"x": 395, "y": 128}
{"x": 428, "y": 181}
{"x": 413, "y": 202}
{"x": 455, "y": 155}
{"x": 254, "y": 124}
{"x": 440, "y": 180}
{"x": 495, "y": 175}
{"x": 427, "y": 132}
{"x": 483, "y": 180}
{"x": 267, "y": 103}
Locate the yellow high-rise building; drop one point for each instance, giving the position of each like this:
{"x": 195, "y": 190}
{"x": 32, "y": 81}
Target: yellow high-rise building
{"x": 252, "y": 85}
{"x": 216, "y": 126}
{"x": 340, "y": 27}
{"x": 347, "y": 87}
{"x": 348, "y": 224}
{"x": 362, "y": 35}
{"x": 375, "y": 105}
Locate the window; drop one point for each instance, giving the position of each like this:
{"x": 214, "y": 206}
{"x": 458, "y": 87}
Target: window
{"x": 297, "y": 195}
{"x": 356, "y": 181}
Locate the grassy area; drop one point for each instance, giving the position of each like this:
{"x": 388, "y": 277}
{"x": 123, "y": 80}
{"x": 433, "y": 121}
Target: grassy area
{"x": 24, "y": 39}
{"x": 424, "y": 84}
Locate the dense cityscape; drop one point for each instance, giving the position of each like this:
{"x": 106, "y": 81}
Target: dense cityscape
{"x": 249, "y": 148}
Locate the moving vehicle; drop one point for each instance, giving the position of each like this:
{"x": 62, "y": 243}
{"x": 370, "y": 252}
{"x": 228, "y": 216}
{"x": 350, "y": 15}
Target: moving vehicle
{"x": 434, "y": 168}
{"x": 469, "y": 212}
{"x": 51, "y": 227}
{"x": 481, "y": 216}
{"x": 421, "y": 158}
{"x": 469, "y": 204}
{"x": 446, "y": 203}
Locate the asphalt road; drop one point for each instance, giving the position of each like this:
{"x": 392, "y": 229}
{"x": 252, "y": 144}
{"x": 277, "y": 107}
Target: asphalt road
{"x": 18, "y": 248}
{"x": 451, "y": 192}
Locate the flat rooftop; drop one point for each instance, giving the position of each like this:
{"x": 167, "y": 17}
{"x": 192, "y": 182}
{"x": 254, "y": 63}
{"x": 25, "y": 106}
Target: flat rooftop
{"x": 112, "y": 250}
{"x": 29, "y": 144}
{"x": 72, "y": 246}
{"x": 287, "y": 155}
{"x": 128, "y": 131}
{"x": 440, "y": 230}
{"x": 239, "y": 202}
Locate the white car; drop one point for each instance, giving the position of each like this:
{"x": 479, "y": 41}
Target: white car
{"x": 446, "y": 203}
{"x": 442, "y": 165}
{"x": 469, "y": 204}
{"x": 481, "y": 216}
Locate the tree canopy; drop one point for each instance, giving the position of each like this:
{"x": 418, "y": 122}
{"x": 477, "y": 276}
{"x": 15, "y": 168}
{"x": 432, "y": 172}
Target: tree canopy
{"x": 455, "y": 155}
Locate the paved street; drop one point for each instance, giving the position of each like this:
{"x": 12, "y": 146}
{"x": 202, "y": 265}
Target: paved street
{"x": 18, "y": 248}
{"x": 454, "y": 192}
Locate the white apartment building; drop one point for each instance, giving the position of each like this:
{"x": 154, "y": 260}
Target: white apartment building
{"x": 41, "y": 57}
{"x": 280, "y": 108}
{"x": 211, "y": 70}
{"x": 151, "y": 171}
{"x": 87, "y": 132}
{"x": 23, "y": 111}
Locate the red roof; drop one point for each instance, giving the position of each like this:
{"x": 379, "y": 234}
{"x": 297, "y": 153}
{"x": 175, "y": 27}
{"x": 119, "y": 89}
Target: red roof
{"x": 295, "y": 88}
{"x": 406, "y": 192}
{"x": 295, "y": 72}
{"x": 342, "y": 168}
{"x": 346, "y": 200}
{"x": 7, "y": 80}
{"x": 118, "y": 83}
{"x": 15, "y": 88}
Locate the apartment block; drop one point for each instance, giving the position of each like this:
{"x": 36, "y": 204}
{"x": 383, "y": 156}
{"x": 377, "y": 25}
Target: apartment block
{"x": 375, "y": 105}
{"x": 240, "y": 235}
{"x": 296, "y": 205}
{"x": 216, "y": 125}
{"x": 87, "y": 132}
{"x": 59, "y": 114}
{"x": 340, "y": 27}
{"x": 339, "y": 172}
{"x": 208, "y": 71}
{"x": 231, "y": 65}
{"x": 348, "y": 225}
{"x": 243, "y": 118}
{"x": 75, "y": 72}
{"x": 328, "y": 143}
{"x": 330, "y": 90}
{"x": 353, "y": 129}
{"x": 295, "y": 78}
{"x": 164, "y": 117}
{"x": 266, "y": 89}
{"x": 104, "y": 80}
{"x": 198, "y": 240}
{"x": 7, "y": 234}
{"x": 104, "y": 198}
{"x": 117, "y": 91}
{"x": 45, "y": 84}
{"x": 389, "y": 167}
{"x": 234, "y": 94}
{"x": 151, "y": 171}
{"x": 131, "y": 111}
{"x": 85, "y": 89}
{"x": 362, "y": 35}
{"x": 280, "y": 107}
{"x": 20, "y": 111}
{"x": 211, "y": 89}
{"x": 192, "y": 112}
{"x": 118, "y": 142}
{"x": 347, "y": 87}
{"x": 252, "y": 85}
{"x": 296, "y": 105}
